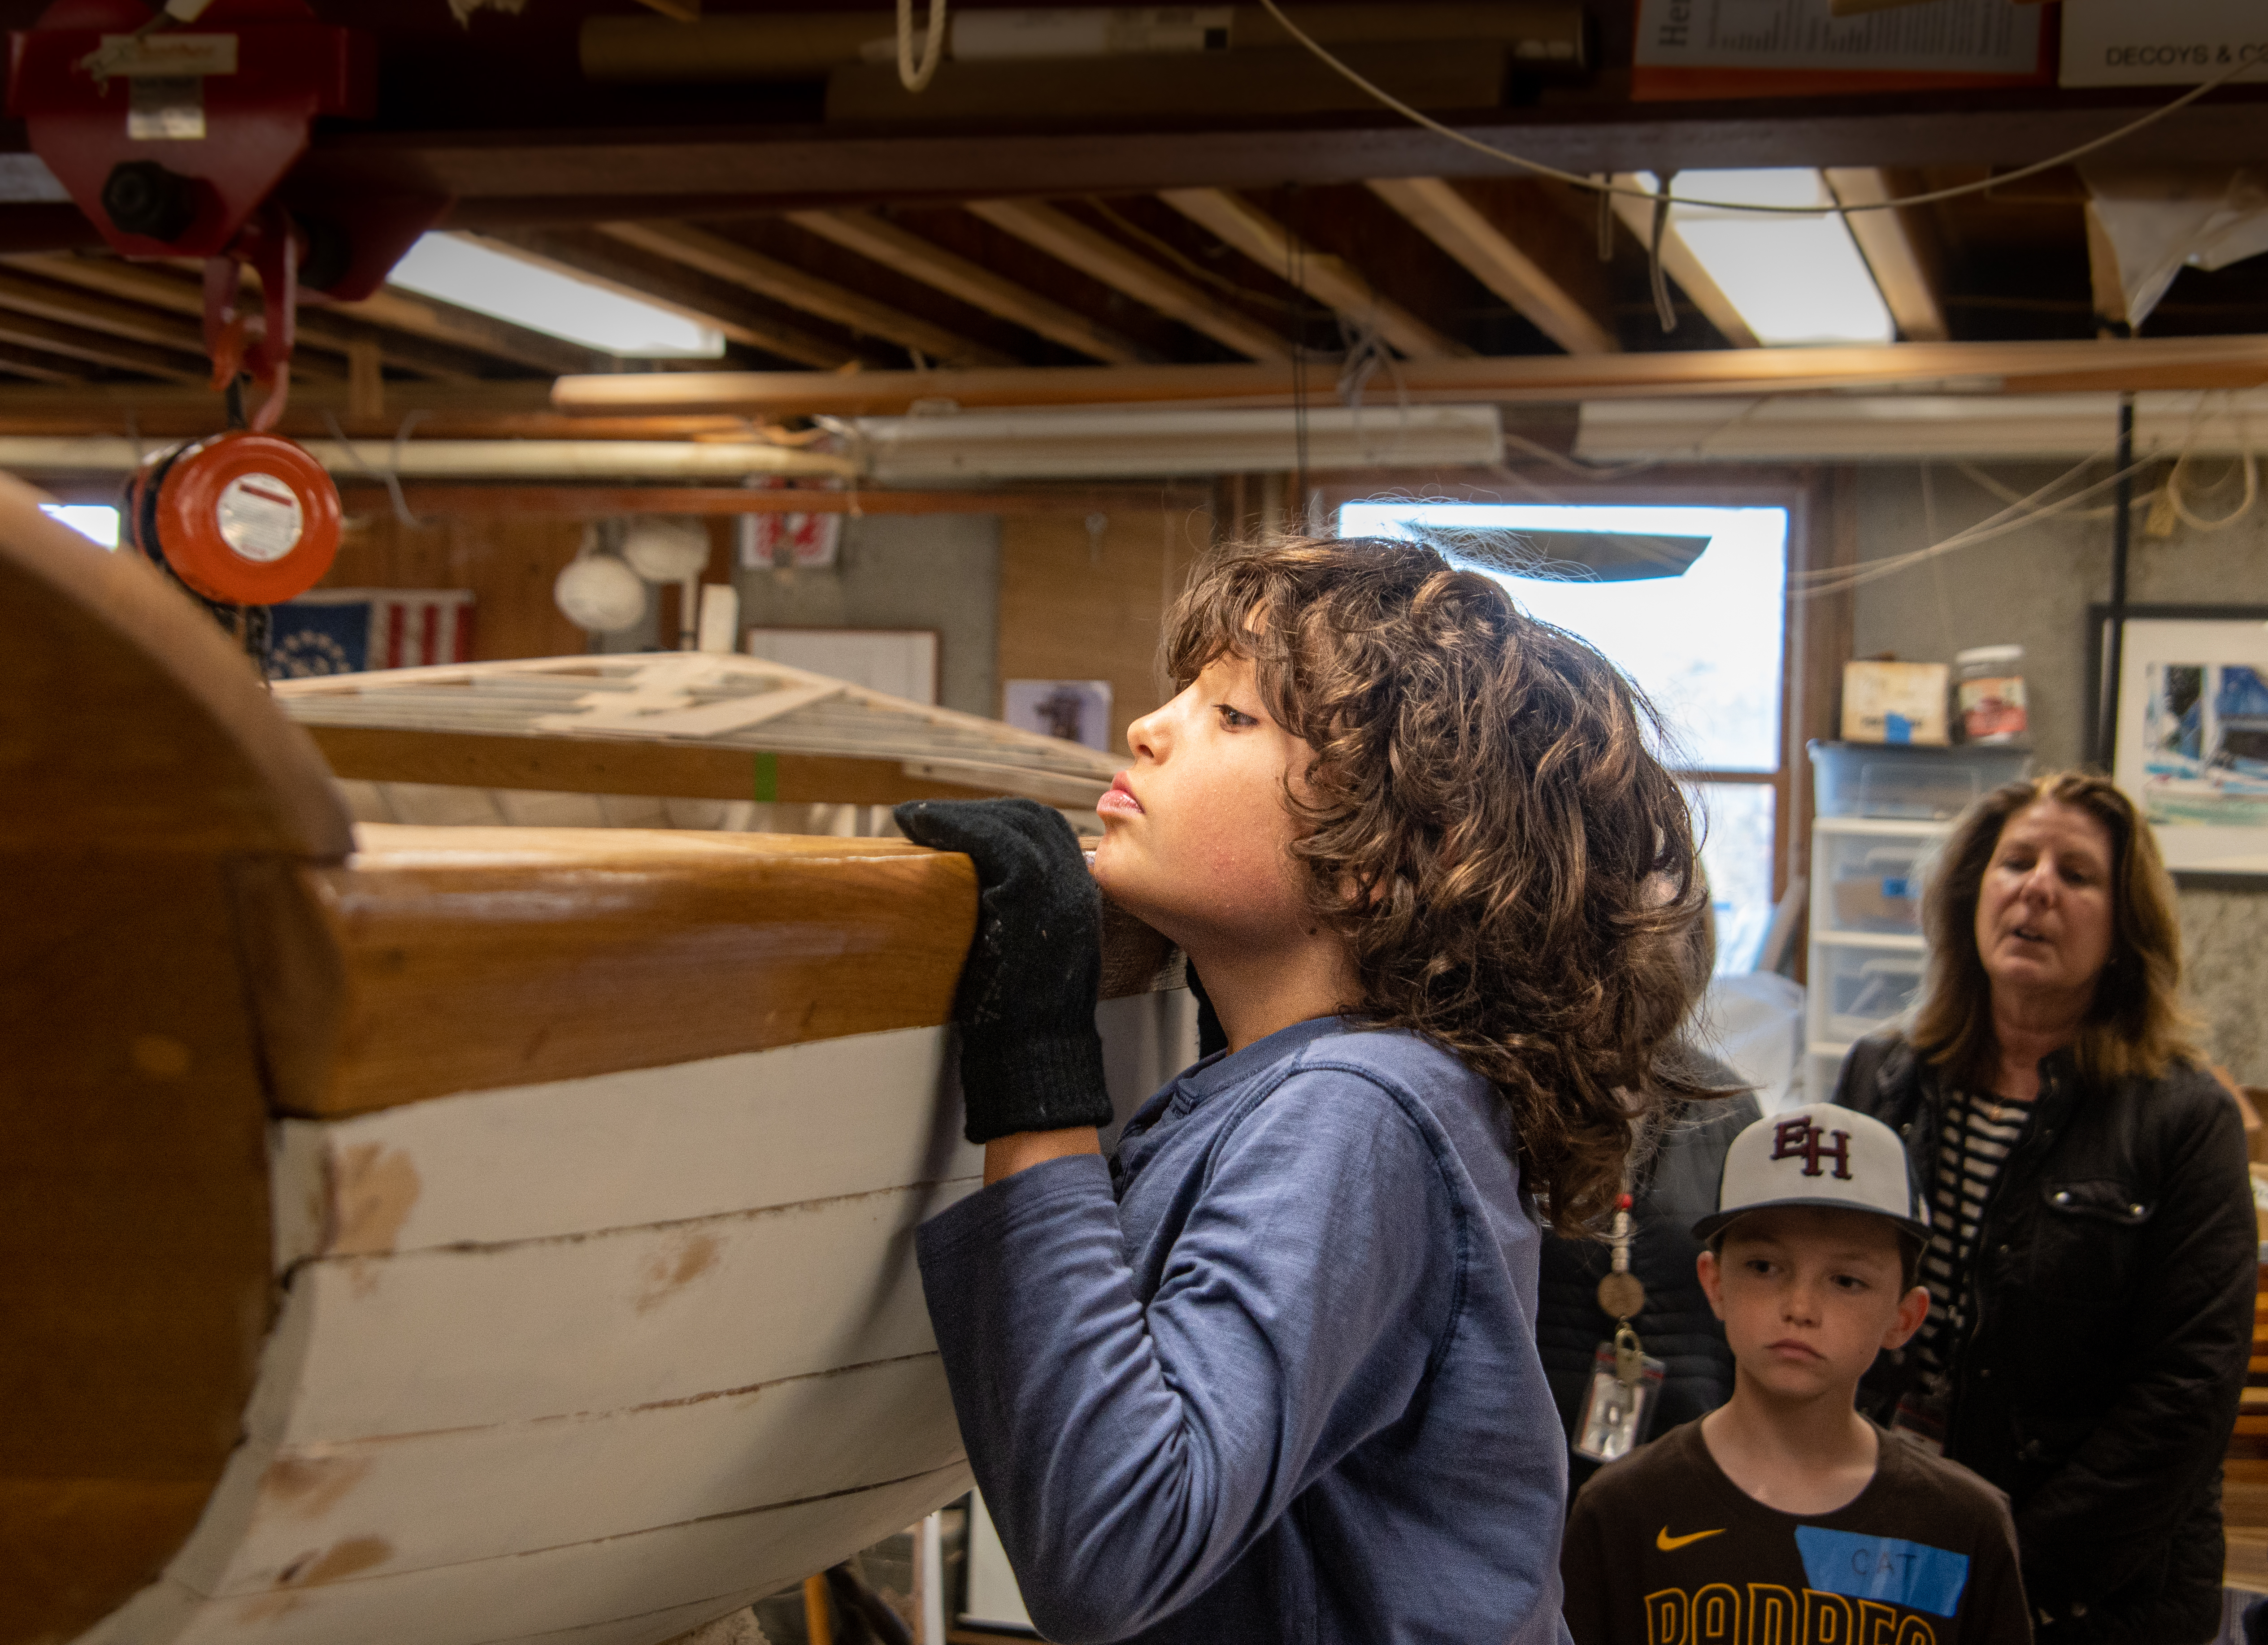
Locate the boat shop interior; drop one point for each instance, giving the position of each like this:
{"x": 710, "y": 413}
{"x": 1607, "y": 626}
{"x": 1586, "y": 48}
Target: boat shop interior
{"x": 503, "y": 499}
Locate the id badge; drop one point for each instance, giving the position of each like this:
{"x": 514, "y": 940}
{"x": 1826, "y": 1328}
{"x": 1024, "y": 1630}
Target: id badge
{"x": 1617, "y": 1414}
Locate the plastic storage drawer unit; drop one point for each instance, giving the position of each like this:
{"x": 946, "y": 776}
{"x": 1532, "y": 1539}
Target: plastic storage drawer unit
{"x": 1920, "y": 784}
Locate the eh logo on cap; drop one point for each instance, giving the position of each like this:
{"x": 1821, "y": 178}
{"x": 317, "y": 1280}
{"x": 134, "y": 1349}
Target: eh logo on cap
{"x": 1798, "y": 1139}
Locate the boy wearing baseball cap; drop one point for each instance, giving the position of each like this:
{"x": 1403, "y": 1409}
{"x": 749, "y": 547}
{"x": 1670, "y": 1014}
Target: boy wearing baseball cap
{"x": 1784, "y": 1516}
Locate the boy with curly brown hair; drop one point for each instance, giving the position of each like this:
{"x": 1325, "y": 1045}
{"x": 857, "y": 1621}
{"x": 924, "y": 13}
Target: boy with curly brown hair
{"x": 1269, "y": 1373}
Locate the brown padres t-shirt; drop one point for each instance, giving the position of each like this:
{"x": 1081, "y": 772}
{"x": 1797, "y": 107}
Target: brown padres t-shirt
{"x": 1662, "y": 1549}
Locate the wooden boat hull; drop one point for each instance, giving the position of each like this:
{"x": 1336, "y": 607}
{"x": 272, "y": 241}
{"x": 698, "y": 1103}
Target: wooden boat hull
{"x": 447, "y": 1236}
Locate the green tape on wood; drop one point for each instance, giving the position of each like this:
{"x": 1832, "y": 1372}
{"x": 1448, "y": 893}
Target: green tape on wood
{"x": 767, "y": 779}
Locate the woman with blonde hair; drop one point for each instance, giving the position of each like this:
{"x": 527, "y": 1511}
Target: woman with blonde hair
{"x": 2091, "y": 1263}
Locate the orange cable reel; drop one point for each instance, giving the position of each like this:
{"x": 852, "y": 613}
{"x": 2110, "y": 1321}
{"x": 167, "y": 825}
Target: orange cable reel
{"x": 247, "y": 519}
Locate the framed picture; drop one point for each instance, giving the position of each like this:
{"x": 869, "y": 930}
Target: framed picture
{"x": 2189, "y": 730}
{"x": 1076, "y": 710}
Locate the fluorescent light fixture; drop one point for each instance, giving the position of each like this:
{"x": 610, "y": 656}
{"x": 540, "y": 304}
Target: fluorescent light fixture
{"x": 95, "y": 520}
{"x": 1793, "y": 279}
{"x": 1905, "y": 428}
{"x": 1070, "y": 445}
{"x": 492, "y": 280}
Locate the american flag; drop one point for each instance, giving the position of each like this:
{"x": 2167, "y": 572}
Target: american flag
{"x": 347, "y": 630}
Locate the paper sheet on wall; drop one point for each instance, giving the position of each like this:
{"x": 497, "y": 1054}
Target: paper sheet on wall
{"x": 1948, "y": 37}
{"x": 1797, "y": 47}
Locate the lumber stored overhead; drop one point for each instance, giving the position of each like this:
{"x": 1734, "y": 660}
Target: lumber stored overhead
{"x": 2029, "y": 367}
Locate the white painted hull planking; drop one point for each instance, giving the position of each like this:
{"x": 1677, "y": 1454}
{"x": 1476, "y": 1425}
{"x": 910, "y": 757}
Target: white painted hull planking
{"x": 598, "y": 1360}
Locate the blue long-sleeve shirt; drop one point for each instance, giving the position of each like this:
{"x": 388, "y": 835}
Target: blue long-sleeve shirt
{"x": 1271, "y": 1373}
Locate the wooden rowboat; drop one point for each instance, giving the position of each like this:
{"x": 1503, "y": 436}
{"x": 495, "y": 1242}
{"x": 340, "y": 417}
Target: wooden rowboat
{"x": 438, "y": 1237}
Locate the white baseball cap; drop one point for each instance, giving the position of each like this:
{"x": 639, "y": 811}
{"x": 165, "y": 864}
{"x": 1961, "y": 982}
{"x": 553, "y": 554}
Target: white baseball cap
{"x": 1831, "y": 1158}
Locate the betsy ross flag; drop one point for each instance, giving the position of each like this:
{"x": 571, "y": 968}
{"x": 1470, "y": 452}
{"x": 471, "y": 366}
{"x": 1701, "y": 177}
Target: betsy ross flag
{"x": 350, "y": 630}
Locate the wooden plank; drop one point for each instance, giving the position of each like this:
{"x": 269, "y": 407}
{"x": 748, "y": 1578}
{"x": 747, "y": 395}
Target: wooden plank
{"x": 1898, "y": 248}
{"x": 2028, "y": 367}
{"x": 618, "y": 267}
{"x": 98, "y": 348}
{"x": 1578, "y": 321}
{"x": 113, "y": 318}
{"x": 613, "y": 1320}
{"x": 394, "y": 309}
{"x": 143, "y": 766}
{"x": 618, "y": 1150}
{"x": 454, "y": 1497}
{"x": 722, "y": 259}
{"x": 1331, "y": 281}
{"x": 1679, "y": 263}
{"x": 627, "y": 1590}
{"x": 1211, "y": 86}
{"x": 474, "y": 958}
{"x": 34, "y": 366}
{"x": 1097, "y": 255}
{"x": 160, "y": 289}
{"x": 878, "y": 238}
{"x": 622, "y": 766}
{"x": 602, "y": 502}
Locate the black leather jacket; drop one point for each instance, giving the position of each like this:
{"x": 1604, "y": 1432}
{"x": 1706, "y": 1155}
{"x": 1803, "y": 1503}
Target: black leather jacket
{"x": 2110, "y": 1322}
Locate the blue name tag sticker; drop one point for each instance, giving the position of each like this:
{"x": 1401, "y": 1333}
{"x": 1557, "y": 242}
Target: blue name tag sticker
{"x": 1910, "y": 1573}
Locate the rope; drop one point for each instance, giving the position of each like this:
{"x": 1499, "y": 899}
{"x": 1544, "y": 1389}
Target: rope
{"x": 913, "y": 78}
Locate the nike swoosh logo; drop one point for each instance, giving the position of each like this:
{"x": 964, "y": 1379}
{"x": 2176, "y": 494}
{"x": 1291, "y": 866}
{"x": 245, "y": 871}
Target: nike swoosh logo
{"x": 1668, "y": 1544}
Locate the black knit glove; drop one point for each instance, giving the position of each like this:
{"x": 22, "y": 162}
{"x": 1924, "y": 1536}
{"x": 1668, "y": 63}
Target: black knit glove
{"x": 1030, "y": 1059}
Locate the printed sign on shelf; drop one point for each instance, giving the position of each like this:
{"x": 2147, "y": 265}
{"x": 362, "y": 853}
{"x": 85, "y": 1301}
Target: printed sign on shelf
{"x": 2163, "y": 42}
{"x": 1798, "y": 47}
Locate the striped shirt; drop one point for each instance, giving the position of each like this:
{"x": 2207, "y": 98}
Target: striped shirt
{"x": 1974, "y": 1142}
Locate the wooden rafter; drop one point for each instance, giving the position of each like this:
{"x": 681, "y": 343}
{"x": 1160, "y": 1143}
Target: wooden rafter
{"x": 316, "y": 328}
{"x": 1679, "y": 262}
{"x": 882, "y": 241}
{"x": 1905, "y": 262}
{"x": 1097, "y": 255}
{"x": 101, "y": 314}
{"x": 1445, "y": 215}
{"x": 721, "y": 258}
{"x": 1331, "y": 281}
{"x": 393, "y": 309}
{"x": 98, "y": 348}
{"x": 592, "y": 261}
{"x": 2029, "y": 367}
{"x": 34, "y": 366}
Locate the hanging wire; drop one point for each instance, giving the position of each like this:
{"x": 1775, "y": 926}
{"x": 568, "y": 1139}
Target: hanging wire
{"x": 1984, "y": 481}
{"x": 1657, "y": 276}
{"x": 912, "y": 77}
{"x": 391, "y": 476}
{"x": 1580, "y": 181}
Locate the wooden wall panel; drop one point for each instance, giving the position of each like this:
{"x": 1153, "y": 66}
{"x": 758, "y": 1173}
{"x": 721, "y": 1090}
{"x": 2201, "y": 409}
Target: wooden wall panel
{"x": 508, "y": 563}
{"x": 1081, "y": 604}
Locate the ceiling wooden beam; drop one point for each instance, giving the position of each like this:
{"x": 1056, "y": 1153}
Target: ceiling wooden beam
{"x": 883, "y": 241}
{"x": 99, "y": 347}
{"x": 2044, "y": 367}
{"x": 1098, "y": 256}
{"x": 1679, "y": 262}
{"x": 1436, "y": 209}
{"x": 721, "y": 258}
{"x": 161, "y": 290}
{"x": 96, "y": 313}
{"x": 607, "y": 502}
{"x": 1337, "y": 284}
{"x": 35, "y": 367}
{"x": 393, "y": 309}
{"x": 1905, "y": 262}
{"x": 662, "y": 284}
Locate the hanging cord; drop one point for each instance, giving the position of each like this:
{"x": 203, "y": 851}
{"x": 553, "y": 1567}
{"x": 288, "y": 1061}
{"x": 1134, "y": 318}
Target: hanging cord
{"x": 1985, "y": 483}
{"x": 1656, "y": 275}
{"x": 391, "y": 477}
{"x": 2181, "y": 464}
{"x": 913, "y": 78}
{"x": 1580, "y": 181}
